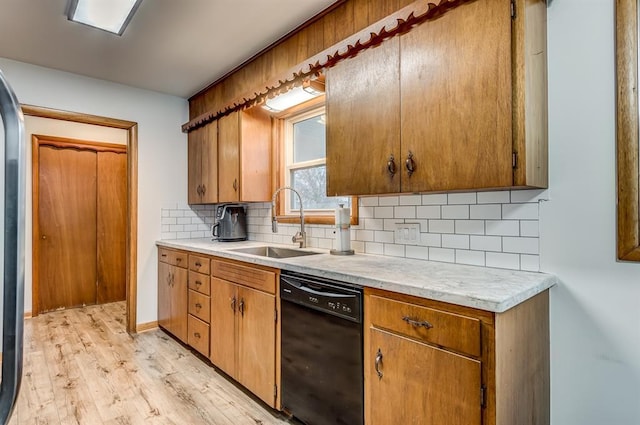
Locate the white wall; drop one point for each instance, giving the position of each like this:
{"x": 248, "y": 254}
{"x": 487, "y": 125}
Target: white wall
{"x": 595, "y": 312}
{"x": 162, "y": 152}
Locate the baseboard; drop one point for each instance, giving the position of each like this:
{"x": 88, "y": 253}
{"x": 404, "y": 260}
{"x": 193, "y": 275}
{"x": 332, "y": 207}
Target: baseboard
{"x": 143, "y": 327}
{"x": 27, "y": 315}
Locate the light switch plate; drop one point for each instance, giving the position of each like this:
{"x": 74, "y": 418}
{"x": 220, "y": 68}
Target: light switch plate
{"x": 407, "y": 233}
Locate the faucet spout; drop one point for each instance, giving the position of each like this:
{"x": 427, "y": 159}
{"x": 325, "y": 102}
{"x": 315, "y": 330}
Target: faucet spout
{"x": 299, "y": 237}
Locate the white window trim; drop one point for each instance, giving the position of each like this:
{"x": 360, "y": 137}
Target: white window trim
{"x": 290, "y": 165}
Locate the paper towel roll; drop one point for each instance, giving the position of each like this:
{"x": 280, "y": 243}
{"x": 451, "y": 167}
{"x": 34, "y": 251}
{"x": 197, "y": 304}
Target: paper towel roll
{"x": 343, "y": 224}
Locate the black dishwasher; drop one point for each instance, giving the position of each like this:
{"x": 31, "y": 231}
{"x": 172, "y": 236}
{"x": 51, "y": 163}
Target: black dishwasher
{"x": 322, "y": 373}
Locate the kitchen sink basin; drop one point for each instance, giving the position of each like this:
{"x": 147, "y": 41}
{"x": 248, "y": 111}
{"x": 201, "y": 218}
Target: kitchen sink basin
{"x": 273, "y": 252}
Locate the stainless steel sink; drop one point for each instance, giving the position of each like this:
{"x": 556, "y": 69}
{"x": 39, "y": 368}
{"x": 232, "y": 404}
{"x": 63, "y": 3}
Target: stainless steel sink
{"x": 273, "y": 252}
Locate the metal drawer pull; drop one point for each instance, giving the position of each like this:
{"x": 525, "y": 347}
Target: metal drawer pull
{"x": 241, "y": 307}
{"x": 378, "y": 361}
{"x": 197, "y": 334}
{"x": 198, "y": 306}
{"x": 198, "y": 264}
{"x": 417, "y": 323}
{"x": 198, "y": 283}
{"x": 410, "y": 164}
{"x": 391, "y": 166}
{"x": 233, "y": 304}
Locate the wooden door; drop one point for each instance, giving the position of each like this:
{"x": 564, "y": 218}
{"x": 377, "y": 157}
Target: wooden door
{"x": 67, "y": 228}
{"x": 224, "y": 303}
{"x": 164, "y": 295}
{"x": 420, "y": 384}
{"x": 111, "y": 226}
{"x": 179, "y": 303}
{"x": 256, "y": 343}
{"x": 255, "y": 157}
{"x": 456, "y": 99}
{"x": 229, "y": 158}
{"x": 363, "y": 123}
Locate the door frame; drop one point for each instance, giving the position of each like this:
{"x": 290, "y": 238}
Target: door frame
{"x": 132, "y": 198}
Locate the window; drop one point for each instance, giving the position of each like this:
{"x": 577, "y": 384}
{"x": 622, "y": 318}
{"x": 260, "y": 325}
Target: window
{"x": 305, "y": 165}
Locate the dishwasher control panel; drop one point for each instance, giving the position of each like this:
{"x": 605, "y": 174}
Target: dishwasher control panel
{"x": 324, "y": 295}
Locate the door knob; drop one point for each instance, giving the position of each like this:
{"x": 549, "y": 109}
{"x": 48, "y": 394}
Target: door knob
{"x": 44, "y": 237}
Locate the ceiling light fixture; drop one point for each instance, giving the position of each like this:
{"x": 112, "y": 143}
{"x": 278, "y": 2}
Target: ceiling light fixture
{"x": 310, "y": 89}
{"x": 108, "y": 15}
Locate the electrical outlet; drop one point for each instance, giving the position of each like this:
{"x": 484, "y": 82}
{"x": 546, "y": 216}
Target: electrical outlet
{"x": 407, "y": 233}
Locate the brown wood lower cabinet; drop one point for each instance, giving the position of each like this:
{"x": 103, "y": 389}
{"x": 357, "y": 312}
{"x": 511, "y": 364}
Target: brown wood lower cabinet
{"x": 172, "y": 292}
{"x": 432, "y": 363}
{"x": 244, "y": 326}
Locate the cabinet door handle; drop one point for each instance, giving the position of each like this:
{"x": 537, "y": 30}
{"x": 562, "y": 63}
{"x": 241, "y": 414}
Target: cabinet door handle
{"x": 235, "y": 184}
{"x": 204, "y": 190}
{"x": 199, "y": 190}
{"x": 171, "y": 277}
{"x": 197, "y": 334}
{"x": 378, "y": 362}
{"x": 417, "y": 323}
{"x": 233, "y": 304}
{"x": 241, "y": 307}
{"x": 391, "y": 165}
{"x": 410, "y": 164}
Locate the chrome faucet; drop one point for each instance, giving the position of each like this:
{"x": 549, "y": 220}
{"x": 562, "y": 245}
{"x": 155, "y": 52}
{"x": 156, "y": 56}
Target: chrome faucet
{"x": 299, "y": 237}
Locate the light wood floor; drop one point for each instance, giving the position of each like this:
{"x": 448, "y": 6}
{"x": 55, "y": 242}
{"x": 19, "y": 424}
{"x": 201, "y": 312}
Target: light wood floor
{"x": 81, "y": 367}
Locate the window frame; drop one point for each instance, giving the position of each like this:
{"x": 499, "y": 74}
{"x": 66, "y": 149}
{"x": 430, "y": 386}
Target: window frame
{"x": 280, "y": 150}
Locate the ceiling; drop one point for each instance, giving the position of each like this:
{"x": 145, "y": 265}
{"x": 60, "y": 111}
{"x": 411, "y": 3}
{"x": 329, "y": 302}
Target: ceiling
{"x": 176, "y": 47}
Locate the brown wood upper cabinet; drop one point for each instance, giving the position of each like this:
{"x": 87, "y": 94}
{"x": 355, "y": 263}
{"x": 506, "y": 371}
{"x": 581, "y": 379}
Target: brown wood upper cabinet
{"x": 203, "y": 165}
{"x": 457, "y": 103}
{"x": 244, "y": 156}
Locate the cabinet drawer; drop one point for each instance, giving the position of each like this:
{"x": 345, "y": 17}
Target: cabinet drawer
{"x": 199, "y": 264}
{"x": 200, "y": 282}
{"x": 199, "y": 305}
{"x": 198, "y": 335}
{"x": 176, "y": 258}
{"x": 262, "y": 280}
{"x": 459, "y": 333}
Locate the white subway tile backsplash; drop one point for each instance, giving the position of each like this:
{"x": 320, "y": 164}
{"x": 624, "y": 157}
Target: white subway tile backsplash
{"x": 441, "y": 226}
{"x": 383, "y": 212}
{"x": 368, "y": 201}
{"x": 530, "y": 262}
{"x": 393, "y": 250}
{"x": 469, "y": 227}
{"x": 492, "y": 229}
{"x": 485, "y": 212}
{"x": 501, "y": 197}
{"x": 388, "y": 201}
{"x": 461, "y": 198}
{"x": 486, "y": 243}
{"x": 503, "y": 261}
{"x": 520, "y": 245}
{"x": 520, "y": 211}
{"x": 428, "y": 211}
{"x": 503, "y": 227}
{"x": 434, "y": 199}
{"x": 529, "y": 228}
{"x": 455, "y": 211}
{"x": 442, "y": 254}
{"x": 455, "y": 241}
{"x": 410, "y": 200}
{"x": 474, "y": 258}
{"x": 417, "y": 252}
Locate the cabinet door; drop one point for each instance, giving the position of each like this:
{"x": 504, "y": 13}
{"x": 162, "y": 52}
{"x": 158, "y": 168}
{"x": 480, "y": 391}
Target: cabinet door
{"x": 209, "y": 164}
{"x": 223, "y": 325}
{"x": 179, "y": 303}
{"x": 425, "y": 385}
{"x": 164, "y": 295}
{"x": 363, "y": 122}
{"x": 456, "y": 93}
{"x": 194, "y": 171}
{"x": 229, "y": 158}
{"x": 255, "y": 158}
{"x": 256, "y": 343}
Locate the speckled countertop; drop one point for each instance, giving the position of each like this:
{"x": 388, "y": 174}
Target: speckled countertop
{"x": 495, "y": 290}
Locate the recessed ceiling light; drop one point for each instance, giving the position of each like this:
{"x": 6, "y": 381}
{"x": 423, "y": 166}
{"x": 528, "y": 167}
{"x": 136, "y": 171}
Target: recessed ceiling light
{"x": 108, "y": 15}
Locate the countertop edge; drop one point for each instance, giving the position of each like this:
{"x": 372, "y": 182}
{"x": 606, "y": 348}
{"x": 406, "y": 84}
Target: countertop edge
{"x": 487, "y": 304}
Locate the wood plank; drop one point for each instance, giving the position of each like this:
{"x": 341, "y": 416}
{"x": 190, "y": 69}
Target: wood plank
{"x": 82, "y": 367}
